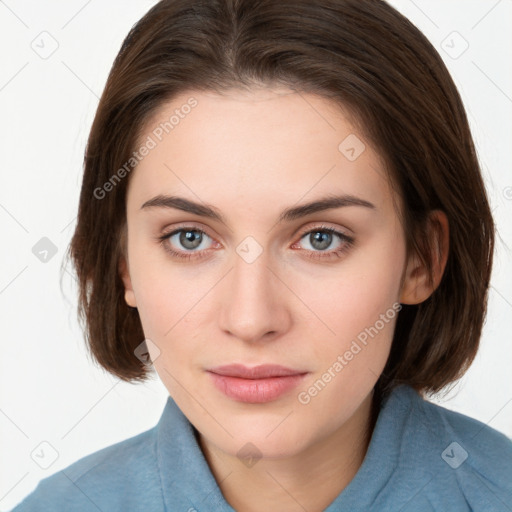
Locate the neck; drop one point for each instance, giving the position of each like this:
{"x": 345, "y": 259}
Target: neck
{"x": 308, "y": 480}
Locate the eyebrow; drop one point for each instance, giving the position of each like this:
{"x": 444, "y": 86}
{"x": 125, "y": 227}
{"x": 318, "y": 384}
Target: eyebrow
{"x": 293, "y": 213}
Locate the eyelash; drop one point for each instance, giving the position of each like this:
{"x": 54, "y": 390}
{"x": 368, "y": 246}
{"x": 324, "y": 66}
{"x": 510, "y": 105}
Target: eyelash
{"x": 348, "y": 243}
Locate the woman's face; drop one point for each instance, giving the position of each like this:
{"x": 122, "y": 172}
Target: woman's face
{"x": 253, "y": 285}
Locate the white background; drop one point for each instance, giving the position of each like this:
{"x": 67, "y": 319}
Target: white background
{"x": 50, "y": 391}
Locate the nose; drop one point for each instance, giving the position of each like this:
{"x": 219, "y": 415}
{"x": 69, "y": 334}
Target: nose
{"x": 254, "y": 306}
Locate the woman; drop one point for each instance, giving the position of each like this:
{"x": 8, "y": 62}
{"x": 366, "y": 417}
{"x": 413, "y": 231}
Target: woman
{"x": 283, "y": 213}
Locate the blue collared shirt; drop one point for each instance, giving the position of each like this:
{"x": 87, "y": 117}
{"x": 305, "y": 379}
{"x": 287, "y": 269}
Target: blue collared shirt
{"x": 421, "y": 457}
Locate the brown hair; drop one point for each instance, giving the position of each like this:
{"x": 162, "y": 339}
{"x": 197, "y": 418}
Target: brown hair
{"x": 375, "y": 64}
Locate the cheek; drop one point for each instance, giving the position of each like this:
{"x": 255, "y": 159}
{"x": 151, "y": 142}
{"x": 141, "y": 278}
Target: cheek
{"x": 160, "y": 287}
{"x": 354, "y": 295}
{"x": 170, "y": 303}
{"x": 159, "y": 296}
{"x": 358, "y": 308}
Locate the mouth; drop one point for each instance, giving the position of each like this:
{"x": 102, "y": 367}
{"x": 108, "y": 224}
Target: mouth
{"x": 258, "y": 384}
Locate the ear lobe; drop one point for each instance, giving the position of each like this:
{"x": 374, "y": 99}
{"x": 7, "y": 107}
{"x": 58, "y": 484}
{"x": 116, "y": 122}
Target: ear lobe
{"x": 129, "y": 295}
{"x": 417, "y": 286}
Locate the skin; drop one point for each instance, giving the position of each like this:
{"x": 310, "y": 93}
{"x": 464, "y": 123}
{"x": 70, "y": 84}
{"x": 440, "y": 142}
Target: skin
{"x": 251, "y": 155}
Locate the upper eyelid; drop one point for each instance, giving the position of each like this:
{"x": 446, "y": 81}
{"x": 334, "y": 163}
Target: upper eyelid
{"x": 185, "y": 227}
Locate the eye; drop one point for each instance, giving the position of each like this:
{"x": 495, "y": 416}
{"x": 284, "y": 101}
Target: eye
{"x": 192, "y": 241}
{"x": 322, "y": 237}
{"x": 189, "y": 240}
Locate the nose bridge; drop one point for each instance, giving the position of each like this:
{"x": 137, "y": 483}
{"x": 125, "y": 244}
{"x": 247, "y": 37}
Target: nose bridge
{"x": 252, "y": 307}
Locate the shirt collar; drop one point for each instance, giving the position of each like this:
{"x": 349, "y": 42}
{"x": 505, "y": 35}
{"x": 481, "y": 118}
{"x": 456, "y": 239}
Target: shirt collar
{"x": 383, "y": 454}
{"x": 187, "y": 481}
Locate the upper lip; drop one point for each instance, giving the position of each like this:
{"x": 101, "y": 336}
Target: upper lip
{"x": 256, "y": 372}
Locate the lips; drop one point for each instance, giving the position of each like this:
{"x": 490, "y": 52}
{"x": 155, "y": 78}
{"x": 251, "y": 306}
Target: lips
{"x": 258, "y": 384}
{"x": 256, "y": 372}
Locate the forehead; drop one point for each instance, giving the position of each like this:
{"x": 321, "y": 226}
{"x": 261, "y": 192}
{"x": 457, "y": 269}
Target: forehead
{"x": 265, "y": 145}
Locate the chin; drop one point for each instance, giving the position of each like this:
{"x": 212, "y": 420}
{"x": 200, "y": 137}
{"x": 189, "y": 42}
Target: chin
{"x": 272, "y": 440}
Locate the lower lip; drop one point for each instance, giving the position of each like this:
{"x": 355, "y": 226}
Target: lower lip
{"x": 256, "y": 391}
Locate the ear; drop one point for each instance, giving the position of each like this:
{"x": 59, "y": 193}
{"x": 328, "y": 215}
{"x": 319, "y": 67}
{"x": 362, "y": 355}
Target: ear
{"x": 416, "y": 286}
{"x": 129, "y": 295}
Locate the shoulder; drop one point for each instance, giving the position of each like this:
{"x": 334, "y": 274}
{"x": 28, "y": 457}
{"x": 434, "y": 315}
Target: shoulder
{"x": 478, "y": 435}
{"x": 123, "y": 476}
{"x": 464, "y": 458}
{"x": 487, "y": 449}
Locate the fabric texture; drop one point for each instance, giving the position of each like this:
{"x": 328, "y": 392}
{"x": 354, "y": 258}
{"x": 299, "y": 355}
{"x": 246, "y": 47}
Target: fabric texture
{"x": 421, "y": 458}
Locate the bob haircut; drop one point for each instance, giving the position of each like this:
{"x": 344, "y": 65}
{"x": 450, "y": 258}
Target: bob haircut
{"x": 381, "y": 70}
